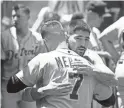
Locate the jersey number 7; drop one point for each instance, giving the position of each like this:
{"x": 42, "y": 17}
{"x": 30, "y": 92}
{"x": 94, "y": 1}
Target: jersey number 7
{"x": 79, "y": 79}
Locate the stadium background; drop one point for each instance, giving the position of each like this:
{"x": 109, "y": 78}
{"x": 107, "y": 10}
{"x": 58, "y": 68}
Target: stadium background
{"x": 36, "y": 6}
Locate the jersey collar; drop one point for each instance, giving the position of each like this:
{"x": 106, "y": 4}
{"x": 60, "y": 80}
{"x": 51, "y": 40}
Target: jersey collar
{"x": 63, "y": 47}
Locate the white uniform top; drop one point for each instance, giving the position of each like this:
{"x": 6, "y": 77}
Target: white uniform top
{"x": 59, "y": 63}
{"x": 16, "y": 55}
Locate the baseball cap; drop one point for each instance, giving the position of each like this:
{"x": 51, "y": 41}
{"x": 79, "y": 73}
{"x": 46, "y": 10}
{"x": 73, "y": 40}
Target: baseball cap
{"x": 51, "y": 26}
{"x": 49, "y": 16}
{"x": 97, "y": 7}
{"x": 77, "y": 22}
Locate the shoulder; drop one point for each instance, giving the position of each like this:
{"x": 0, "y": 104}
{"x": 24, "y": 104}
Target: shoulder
{"x": 47, "y": 56}
{"x": 90, "y": 52}
{"x": 6, "y": 36}
{"x": 47, "y": 60}
{"x": 6, "y": 32}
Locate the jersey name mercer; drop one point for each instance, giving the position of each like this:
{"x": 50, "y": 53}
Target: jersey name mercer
{"x": 65, "y": 61}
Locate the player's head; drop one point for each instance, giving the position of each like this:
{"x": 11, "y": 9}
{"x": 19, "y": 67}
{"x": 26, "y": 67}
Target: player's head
{"x": 78, "y": 32}
{"x": 20, "y": 16}
{"x": 95, "y": 10}
{"x": 53, "y": 34}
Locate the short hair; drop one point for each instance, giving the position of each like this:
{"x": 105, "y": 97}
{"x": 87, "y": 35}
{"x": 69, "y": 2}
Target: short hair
{"x": 22, "y": 7}
{"x": 97, "y": 7}
{"x": 77, "y": 22}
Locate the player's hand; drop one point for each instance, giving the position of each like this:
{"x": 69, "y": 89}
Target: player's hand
{"x": 82, "y": 68}
{"x": 54, "y": 88}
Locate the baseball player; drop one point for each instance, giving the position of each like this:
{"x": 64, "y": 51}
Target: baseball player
{"x": 18, "y": 46}
{"x": 115, "y": 33}
{"x": 66, "y": 64}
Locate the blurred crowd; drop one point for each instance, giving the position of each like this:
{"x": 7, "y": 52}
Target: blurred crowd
{"x": 106, "y": 20}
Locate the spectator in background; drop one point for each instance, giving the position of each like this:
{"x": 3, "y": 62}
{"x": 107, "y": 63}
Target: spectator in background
{"x": 116, "y": 8}
{"x": 18, "y": 46}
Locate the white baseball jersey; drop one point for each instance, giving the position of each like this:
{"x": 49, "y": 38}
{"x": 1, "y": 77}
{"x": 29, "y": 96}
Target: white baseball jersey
{"x": 58, "y": 64}
{"x": 17, "y": 54}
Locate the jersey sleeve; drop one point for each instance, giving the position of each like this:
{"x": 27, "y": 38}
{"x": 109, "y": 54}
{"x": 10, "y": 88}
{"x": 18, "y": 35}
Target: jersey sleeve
{"x": 99, "y": 64}
{"x": 102, "y": 92}
{"x": 33, "y": 71}
{"x": 104, "y": 74}
{"x": 94, "y": 57}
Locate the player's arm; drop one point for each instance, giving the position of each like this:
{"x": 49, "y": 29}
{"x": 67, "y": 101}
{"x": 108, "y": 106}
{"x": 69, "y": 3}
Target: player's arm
{"x": 108, "y": 102}
{"x": 53, "y": 88}
{"x": 103, "y": 73}
{"x": 104, "y": 95}
{"x": 26, "y": 77}
{"x": 98, "y": 69}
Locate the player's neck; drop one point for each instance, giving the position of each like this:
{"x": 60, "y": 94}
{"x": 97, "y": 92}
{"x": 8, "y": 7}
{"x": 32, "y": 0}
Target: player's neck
{"x": 22, "y": 32}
